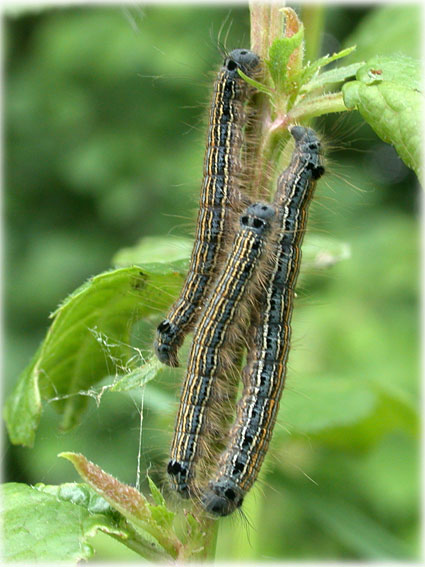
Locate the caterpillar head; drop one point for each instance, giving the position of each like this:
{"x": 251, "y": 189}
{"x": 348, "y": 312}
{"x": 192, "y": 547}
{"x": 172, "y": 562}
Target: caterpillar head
{"x": 222, "y": 498}
{"x": 258, "y": 216}
{"x": 247, "y": 61}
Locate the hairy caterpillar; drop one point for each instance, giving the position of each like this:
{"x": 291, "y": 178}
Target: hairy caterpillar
{"x": 205, "y": 359}
{"x": 264, "y": 374}
{"x": 220, "y": 199}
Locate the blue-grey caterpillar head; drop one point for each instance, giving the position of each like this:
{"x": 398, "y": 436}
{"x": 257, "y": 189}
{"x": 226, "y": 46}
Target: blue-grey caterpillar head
{"x": 243, "y": 59}
{"x": 222, "y": 498}
{"x": 308, "y": 143}
{"x": 257, "y": 217}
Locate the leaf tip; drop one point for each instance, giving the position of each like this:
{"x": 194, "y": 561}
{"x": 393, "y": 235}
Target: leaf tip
{"x": 74, "y": 458}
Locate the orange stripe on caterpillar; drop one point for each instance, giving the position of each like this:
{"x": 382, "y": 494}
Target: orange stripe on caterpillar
{"x": 220, "y": 199}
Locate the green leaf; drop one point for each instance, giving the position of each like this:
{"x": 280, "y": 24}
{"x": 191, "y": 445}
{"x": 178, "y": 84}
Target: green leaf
{"x": 153, "y": 249}
{"x": 399, "y": 69}
{"x": 337, "y": 75}
{"x": 390, "y": 29}
{"x": 160, "y": 512}
{"x": 257, "y": 85}
{"x": 80, "y": 494}
{"x": 88, "y": 340}
{"x": 156, "y": 493}
{"x": 279, "y": 54}
{"x": 312, "y": 68}
{"x": 386, "y": 95}
{"x": 144, "y": 517}
{"x": 317, "y": 106}
{"x": 47, "y": 523}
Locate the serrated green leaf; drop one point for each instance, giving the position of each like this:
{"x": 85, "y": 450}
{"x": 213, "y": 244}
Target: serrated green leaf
{"x": 51, "y": 523}
{"x": 386, "y": 95}
{"x": 311, "y": 69}
{"x": 129, "y": 502}
{"x": 279, "y": 55}
{"x": 333, "y": 76}
{"x": 154, "y": 249}
{"x": 90, "y": 334}
{"x": 196, "y": 531}
{"x": 156, "y": 493}
{"x": 317, "y": 106}
{"x": 163, "y": 516}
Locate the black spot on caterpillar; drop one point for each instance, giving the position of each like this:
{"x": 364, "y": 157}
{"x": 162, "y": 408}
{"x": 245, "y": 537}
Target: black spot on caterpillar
{"x": 219, "y": 202}
{"x": 264, "y": 374}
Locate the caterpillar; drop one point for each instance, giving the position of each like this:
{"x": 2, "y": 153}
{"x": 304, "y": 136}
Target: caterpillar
{"x": 264, "y": 375}
{"x": 206, "y": 359}
{"x": 219, "y": 202}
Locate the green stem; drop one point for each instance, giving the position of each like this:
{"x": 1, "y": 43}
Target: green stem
{"x": 141, "y": 547}
{"x": 325, "y": 104}
{"x": 211, "y": 540}
{"x": 204, "y": 548}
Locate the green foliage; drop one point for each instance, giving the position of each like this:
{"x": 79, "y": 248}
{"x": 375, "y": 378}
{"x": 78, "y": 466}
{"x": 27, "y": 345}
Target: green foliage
{"x": 298, "y": 90}
{"x": 72, "y": 357}
{"x": 58, "y": 520}
{"x": 155, "y": 249}
{"x": 93, "y": 321}
{"x": 312, "y": 69}
{"x": 98, "y": 155}
{"x": 280, "y": 53}
{"x": 387, "y": 95}
{"x": 337, "y": 75}
{"x": 156, "y": 519}
{"x": 130, "y": 503}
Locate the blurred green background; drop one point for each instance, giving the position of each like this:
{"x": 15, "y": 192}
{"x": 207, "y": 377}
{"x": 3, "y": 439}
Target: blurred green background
{"x": 104, "y": 141}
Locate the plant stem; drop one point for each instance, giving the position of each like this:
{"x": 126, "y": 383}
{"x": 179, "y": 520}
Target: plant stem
{"x": 211, "y": 540}
{"x": 266, "y": 25}
{"x": 325, "y": 104}
{"x": 141, "y": 547}
{"x": 201, "y": 549}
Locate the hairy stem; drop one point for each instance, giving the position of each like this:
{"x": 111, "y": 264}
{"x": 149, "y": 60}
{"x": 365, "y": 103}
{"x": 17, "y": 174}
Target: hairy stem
{"x": 325, "y": 104}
